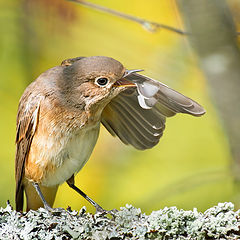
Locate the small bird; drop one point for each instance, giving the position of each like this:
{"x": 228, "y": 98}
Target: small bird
{"x": 59, "y": 117}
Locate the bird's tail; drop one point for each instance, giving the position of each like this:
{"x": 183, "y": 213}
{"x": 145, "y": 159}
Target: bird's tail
{"x": 19, "y": 198}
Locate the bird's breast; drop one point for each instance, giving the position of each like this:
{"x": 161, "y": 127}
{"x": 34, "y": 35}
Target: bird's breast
{"x": 55, "y": 158}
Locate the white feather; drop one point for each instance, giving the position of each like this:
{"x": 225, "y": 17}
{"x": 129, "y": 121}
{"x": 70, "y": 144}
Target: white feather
{"x": 142, "y": 103}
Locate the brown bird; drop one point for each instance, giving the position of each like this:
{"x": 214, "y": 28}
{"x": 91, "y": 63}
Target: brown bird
{"x": 59, "y": 117}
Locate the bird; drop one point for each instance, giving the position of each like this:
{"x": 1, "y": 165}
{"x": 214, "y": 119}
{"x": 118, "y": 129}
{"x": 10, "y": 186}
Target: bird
{"x": 59, "y": 117}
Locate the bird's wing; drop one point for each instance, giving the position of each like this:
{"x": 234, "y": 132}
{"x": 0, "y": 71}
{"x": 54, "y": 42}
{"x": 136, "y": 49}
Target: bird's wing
{"x": 27, "y": 121}
{"x": 152, "y": 92}
{"x": 137, "y": 116}
{"x": 124, "y": 117}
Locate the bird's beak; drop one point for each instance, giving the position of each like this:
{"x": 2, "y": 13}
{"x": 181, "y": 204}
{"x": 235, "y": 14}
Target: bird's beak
{"x": 123, "y": 82}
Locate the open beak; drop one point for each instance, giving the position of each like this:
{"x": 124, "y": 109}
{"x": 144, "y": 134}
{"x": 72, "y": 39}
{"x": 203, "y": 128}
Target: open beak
{"x": 123, "y": 82}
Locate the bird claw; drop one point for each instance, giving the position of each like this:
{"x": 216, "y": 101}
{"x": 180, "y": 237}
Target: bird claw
{"x": 54, "y": 211}
{"x": 101, "y": 211}
{"x": 113, "y": 211}
{"x": 104, "y": 212}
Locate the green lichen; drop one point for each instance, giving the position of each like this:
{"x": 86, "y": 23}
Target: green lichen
{"x": 219, "y": 222}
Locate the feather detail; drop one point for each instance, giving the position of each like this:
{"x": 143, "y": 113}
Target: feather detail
{"x": 136, "y": 126}
{"x": 137, "y": 115}
{"x": 152, "y": 92}
{"x": 27, "y": 122}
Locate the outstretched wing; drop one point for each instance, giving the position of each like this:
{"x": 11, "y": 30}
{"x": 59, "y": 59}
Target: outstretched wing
{"x": 152, "y": 92}
{"x": 137, "y": 115}
{"x": 27, "y": 121}
{"x": 124, "y": 117}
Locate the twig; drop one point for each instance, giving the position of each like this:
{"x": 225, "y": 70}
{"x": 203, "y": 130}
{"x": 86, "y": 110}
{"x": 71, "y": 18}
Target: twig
{"x": 148, "y": 25}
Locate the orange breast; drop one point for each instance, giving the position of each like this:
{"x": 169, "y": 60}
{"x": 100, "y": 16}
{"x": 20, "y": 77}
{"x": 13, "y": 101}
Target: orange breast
{"x": 60, "y": 147}
{"x": 39, "y": 162}
{"x": 46, "y": 143}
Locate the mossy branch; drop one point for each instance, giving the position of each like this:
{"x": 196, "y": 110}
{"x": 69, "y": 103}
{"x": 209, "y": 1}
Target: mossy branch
{"x": 219, "y": 222}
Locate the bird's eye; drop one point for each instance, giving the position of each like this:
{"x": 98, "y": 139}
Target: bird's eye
{"x": 102, "y": 81}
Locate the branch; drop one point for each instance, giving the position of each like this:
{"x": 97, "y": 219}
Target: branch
{"x": 219, "y": 222}
{"x": 213, "y": 37}
{"x": 146, "y": 24}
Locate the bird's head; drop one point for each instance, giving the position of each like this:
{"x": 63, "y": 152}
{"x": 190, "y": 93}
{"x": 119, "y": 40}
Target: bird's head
{"x": 95, "y": 80}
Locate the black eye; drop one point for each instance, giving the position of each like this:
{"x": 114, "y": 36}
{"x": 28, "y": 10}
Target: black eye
{"x": 102, "y": 81}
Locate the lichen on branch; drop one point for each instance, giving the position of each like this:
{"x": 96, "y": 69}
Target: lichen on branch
{"x": 219, "y": 222}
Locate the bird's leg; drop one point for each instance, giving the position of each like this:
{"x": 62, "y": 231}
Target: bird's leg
{"x": 45, "y": 203}
{"x": 71, "y": 184}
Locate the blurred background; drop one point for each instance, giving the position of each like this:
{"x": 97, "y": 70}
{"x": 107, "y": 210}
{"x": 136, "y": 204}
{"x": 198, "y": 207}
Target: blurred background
{"x": 192, "y": 164}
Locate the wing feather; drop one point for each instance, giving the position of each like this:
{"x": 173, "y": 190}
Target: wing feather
{"x": 27, "y": 121}
{"x": 156, "y": 92}
{"x": 137, "y": 115}
{"x": 141, "y": 128}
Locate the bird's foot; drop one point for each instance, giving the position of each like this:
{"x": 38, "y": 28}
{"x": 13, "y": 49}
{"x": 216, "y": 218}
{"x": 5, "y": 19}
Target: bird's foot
{"x": 113, "y": 212}
{"x": 103, "y": 212}
{"x": 54, "y": 211}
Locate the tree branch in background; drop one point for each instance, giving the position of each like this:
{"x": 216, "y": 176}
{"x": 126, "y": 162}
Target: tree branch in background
{"x": 146, "y": 24}
{"x": 213, "y": 37}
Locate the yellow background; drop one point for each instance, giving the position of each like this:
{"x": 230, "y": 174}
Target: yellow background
{"x": 188, "y": 168}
